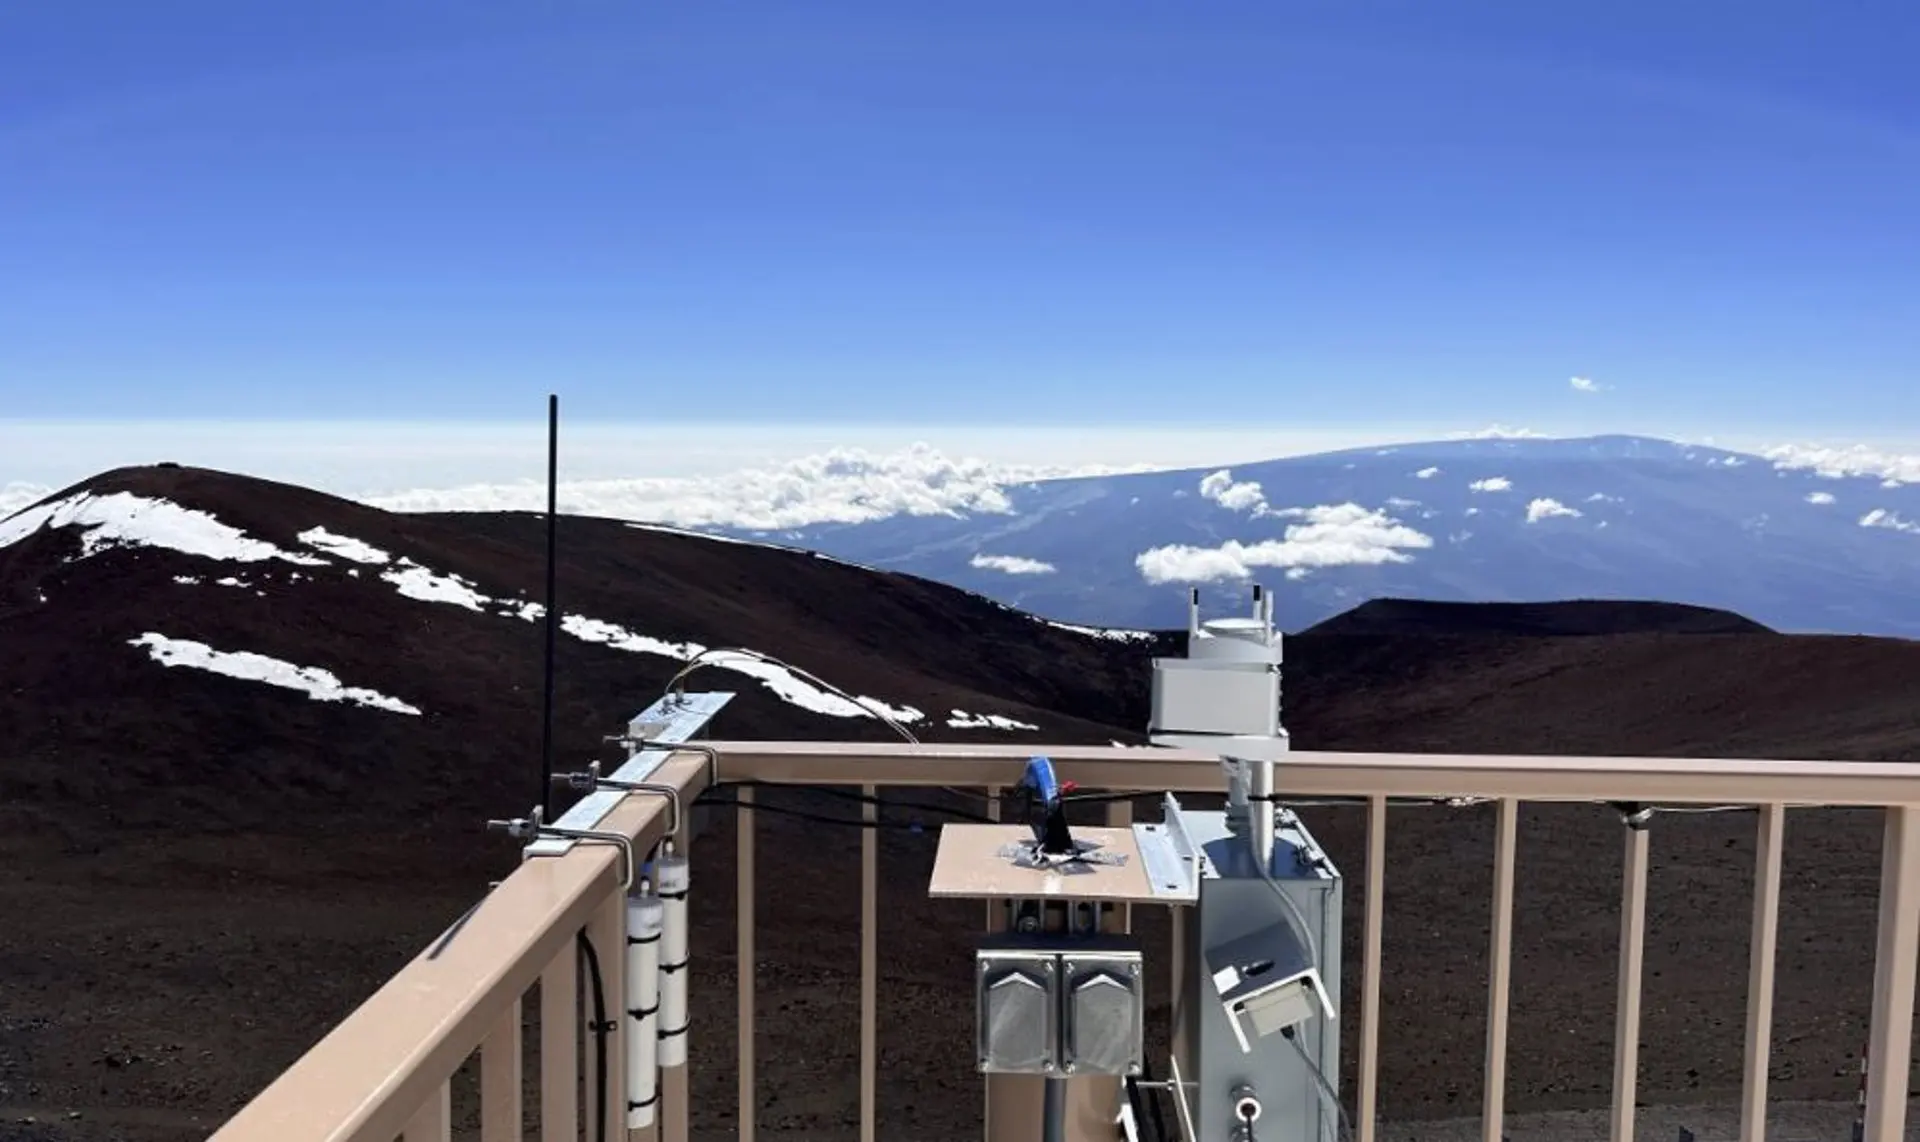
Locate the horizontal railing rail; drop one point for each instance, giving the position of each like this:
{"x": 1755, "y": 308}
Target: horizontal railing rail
{"x": 384, "y": 1072}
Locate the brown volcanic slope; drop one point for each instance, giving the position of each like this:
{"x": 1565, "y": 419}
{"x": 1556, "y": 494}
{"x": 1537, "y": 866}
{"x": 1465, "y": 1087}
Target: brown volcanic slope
{"x": 275, "y": 857}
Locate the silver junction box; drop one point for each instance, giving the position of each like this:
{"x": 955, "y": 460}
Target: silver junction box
{"x": 1059, "y": 1005}
{"x": 1018, "y": 998}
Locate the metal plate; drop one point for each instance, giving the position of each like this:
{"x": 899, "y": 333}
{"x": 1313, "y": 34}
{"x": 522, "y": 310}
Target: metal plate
{"x": 1169, "y": 874}
{"x": 664, "y": 724}
{"x": 1104, "y": 1033}
{"x": 1016, "y": 1001}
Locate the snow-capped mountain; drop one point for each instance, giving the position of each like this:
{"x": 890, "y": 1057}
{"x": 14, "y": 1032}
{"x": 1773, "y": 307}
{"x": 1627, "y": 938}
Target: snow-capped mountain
{"x": 1796, "y": 547}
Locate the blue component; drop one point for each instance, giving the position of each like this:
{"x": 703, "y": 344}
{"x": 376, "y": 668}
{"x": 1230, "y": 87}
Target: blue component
{"x": 1040, "y": 779}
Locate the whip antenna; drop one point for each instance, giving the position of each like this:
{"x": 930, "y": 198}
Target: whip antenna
{"x": 553, "y": 610}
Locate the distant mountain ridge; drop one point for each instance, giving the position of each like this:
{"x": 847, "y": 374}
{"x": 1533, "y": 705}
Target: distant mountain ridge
{"x": 1474, "y": 520}
{"x": 244, "y": 644}
{"x": 1419, "y": 618}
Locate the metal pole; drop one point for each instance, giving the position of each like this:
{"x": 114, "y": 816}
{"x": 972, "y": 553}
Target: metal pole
{"x": 1053, "y": 1121}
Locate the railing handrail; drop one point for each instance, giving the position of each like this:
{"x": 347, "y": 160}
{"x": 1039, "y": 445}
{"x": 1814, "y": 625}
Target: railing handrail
{"x": 1524, "y": 777}
{"x": 373, "y": 1071}
{"x": 369, "y": 1077}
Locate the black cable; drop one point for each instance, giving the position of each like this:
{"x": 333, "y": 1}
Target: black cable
{"x": 1136, "y": 1104}
{"x": 816, "y": 818}
{"x": 1153, "y": 1103}
{"x": 845, "y": 794}
{"x": 600, "y": 1028}
{"x": 1097, "y": 798}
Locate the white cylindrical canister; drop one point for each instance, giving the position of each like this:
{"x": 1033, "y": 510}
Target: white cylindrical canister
{"x": 646, "y": 920}
{"x": 674, "y": 878}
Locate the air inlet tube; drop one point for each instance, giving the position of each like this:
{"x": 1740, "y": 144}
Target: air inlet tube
{"x": 675, "y": 877}
{"x": 646, "y": 919}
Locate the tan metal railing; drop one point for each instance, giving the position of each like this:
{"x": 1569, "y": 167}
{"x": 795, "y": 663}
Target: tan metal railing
{"x": 385, "y": 1071}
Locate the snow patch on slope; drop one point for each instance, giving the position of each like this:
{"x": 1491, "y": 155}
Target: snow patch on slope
{"x": 123, "y": 519}
{"x": 320, "y": 685}
{"x": 1111, "y": 634}
{"x": 416, "y": 581}
{"x": 961, "y": 720}
{"x": 346, "y": 548}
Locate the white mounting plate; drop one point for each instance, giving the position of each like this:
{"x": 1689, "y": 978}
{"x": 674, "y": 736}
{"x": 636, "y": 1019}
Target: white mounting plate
{"x": 665, "y": 724}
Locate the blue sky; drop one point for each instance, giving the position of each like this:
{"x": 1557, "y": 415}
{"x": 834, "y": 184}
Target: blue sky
{"x": 1328, "y": 214}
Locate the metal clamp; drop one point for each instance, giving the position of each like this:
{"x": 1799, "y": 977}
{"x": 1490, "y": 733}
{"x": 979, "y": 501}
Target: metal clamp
{"x": 641, "y": 745}
{"x": 532, "y": 828}
{"x": 592, "y": 781}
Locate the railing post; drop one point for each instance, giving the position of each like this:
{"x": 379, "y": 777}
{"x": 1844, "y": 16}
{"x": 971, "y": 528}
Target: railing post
{"x": 1120, "y": 816}
{"x": 502, "y": 1071}
{"x": 1760, "y": 956}
{"x": 1370, "y": 968}
{"x": 1890, "y": 1042}
{"x": 607, "y": 932}
{"x": 869, "y": 964}
{"x": 743, "y": 960}
{"x": 433, "y": 1122}
{"x": 676, "y": 1108}
{"x": 559, "y": 1040}
{"x": 1626, "y": 1015}
{"x": 1493, "y": 1107}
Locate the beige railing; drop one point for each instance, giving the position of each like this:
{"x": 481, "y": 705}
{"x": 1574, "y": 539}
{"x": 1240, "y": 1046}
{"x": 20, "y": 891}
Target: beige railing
{"x": 386, "y": 1070}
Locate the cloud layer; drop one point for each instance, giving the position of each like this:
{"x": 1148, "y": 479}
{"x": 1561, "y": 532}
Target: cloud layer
{"x": 842, "y": 486}
{"x": 1334, "y": 535}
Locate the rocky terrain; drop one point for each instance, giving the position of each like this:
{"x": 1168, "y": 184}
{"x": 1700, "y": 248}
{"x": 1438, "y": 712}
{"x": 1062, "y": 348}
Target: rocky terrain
{"x": 248, "y": 734}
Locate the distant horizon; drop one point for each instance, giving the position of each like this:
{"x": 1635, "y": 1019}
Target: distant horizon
{"x": 488, "y": 465}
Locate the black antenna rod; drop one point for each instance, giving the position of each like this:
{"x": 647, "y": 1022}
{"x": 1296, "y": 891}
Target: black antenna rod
{"x": 553, "y": 610}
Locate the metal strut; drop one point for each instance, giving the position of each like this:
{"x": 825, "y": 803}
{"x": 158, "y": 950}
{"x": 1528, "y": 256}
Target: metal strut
{"x": 532, "y": 828}
{"x": 591, "y": 781}
{"x": 641, "y": 745}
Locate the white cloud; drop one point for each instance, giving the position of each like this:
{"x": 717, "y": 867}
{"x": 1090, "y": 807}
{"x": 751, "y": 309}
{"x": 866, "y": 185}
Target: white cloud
{"x": 1012, "y": 564}
{"x": 1401, "y": 502}
{"x": 1221, "y": 488}
{"x": 1838, "y": 463}
{"x": 1602, "y": 498}
{"x": 1426, "y": 473}
{"x": 1335, "y": 535}
{"x": 842, "y": 486}
{"x": 1498, "y": 432}
{"x": 1491, "y": 484}
{"x": 1584, "y": 384}
{"x": 1881, "y": 517}
{"x": 320, "y": 685}
{"x": 1545, "y": 508}
{"x": 18, "y": 494}
{"x": 1819, "y": 497}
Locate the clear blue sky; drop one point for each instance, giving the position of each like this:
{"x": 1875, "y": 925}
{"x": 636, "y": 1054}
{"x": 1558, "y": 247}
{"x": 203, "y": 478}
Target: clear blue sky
{"x": 928, "y": 213}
